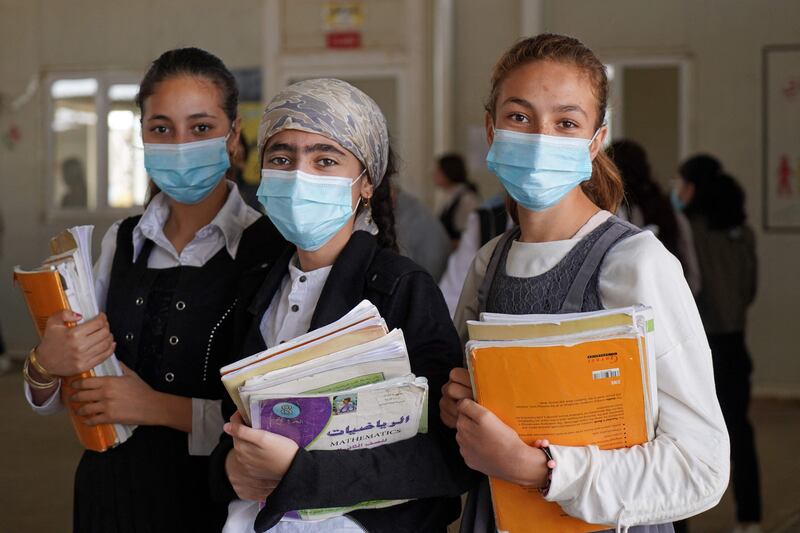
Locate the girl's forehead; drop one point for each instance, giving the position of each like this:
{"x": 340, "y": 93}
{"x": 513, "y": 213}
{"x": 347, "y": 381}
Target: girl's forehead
{"x": 549, "y": 81}
{"x": 178, "y": 92}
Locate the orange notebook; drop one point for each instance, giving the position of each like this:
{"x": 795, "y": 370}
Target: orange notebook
{"x": 587, "y": 393}
{"x": 44, "y": 294}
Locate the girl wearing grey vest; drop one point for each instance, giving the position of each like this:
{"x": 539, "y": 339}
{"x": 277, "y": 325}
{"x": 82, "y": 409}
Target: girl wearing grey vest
{"x": 544, "y": 122}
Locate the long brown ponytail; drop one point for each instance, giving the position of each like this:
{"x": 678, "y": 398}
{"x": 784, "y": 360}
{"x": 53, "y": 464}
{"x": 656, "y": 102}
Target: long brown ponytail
{"x": 605, "y": 188}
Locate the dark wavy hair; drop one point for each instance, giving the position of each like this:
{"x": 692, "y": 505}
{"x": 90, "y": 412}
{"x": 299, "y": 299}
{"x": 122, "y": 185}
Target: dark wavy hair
{"x": 642, "y": 191}
{"x": 718, "y": 198}
{"x": 189, "y": 62}
{"x": 453, "y": 167}
{"x": 383, "y": 207}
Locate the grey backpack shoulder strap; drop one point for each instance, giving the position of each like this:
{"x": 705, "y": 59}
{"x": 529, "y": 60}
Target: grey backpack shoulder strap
{"x": 573, "y": 303}
{"x": 498, "y": 254}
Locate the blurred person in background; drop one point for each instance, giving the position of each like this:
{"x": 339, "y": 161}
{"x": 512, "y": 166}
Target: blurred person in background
{"x": 725, "y": 244}
{"x": 459, "y": 196}
{"x": 420, "y": 235}
{"x": 484, "y": 224}
{"x": 5, "y": 360}
{"x": 649, "y": 208}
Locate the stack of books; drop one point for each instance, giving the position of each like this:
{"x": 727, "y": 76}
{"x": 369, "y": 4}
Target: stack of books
{"x": 65, "y": 281}
{"x": 575, "y": 379}
{"x": 344, "y": 386}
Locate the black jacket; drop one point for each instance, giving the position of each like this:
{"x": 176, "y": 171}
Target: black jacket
{"x": 427, "y": 468}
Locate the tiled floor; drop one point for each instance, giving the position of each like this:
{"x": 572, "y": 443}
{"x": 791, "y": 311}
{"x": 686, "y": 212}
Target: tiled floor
{"x": 38, "y": 457}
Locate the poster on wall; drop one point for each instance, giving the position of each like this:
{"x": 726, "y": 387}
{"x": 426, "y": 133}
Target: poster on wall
{"x": 250, "y": 110}
{"x": 781, "y": 150}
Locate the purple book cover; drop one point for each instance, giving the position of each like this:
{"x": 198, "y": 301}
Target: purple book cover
{"x": 300, "y": 419}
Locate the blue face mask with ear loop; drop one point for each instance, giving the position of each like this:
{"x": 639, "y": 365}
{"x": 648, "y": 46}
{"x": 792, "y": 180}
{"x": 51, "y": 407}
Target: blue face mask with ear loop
{"x": 538, "y": 170}
{"x": 187, "y": 172}
{"x": 307, "y": 209}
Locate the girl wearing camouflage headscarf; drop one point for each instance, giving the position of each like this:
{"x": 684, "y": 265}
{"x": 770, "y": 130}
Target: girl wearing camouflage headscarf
{"x": 326, "y": 161}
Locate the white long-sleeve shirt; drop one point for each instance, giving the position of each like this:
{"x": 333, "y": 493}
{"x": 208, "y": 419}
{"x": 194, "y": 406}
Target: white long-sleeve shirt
{"x": 685, "y": 469}
{"x": 225, "y": 230}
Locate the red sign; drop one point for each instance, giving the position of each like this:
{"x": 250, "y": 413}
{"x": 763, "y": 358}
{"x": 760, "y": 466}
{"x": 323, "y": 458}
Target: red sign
{"x": 343, "y": 39}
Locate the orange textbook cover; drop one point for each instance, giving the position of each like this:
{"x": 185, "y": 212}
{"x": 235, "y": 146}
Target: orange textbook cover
{"x": 45, "y": 296}
{"x": 587, "y": 393}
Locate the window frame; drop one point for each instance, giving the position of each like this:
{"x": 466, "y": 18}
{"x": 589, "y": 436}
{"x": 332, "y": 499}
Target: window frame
{"x": 98, "y": 205}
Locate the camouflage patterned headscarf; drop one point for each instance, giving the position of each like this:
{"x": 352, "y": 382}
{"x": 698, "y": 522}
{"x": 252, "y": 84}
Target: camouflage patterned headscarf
{"x": 337, "y": 110}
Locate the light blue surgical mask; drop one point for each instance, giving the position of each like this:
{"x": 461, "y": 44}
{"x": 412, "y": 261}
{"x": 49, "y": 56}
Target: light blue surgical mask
{"x": 187, "y": 172}
{"x": 539, "y": 170}
{"x": 677, "y": 203}
{"x": 307, "y": 209}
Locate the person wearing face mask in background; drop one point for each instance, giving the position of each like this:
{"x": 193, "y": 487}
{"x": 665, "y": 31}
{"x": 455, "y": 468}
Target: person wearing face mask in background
{"x": 166, "y": 281}
{"x": 544, "y": 122}
{"x": 326, "y": 164}
{"x": 726, "y": 250}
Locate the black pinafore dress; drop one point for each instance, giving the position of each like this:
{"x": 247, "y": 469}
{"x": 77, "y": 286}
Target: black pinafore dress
{"x": 173, "y": 327}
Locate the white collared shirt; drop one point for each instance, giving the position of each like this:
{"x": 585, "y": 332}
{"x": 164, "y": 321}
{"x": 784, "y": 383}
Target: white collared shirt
{"x": 225, "y": 230}
{"x": 290, "y": 312}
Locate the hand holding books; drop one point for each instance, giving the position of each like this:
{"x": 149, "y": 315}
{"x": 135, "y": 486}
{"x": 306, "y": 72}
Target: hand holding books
{"x": 456, "y": 389}
{"x": 263, "y": 455}
{"x": 490, "y": 446}
{"x": 76, "y": 341}
{"x": 247, "y": 484}
{"x": 65, "y": 351}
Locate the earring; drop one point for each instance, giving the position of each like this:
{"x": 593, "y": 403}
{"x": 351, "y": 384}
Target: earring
{"x": 365, "y": 202}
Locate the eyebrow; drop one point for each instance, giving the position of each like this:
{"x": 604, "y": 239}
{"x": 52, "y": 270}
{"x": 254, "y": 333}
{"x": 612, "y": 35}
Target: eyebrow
{"x": 570, "y": 109}
{"x": 567, "y": 108}
{"x": 193, "y": 116}
{"x": 518, "y": 101}
{"x": 292, "y": 149}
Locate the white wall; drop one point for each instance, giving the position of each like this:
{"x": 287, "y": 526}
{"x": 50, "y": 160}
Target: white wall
{"x": 724, "y": 41}
{"x": 722, "y": 38}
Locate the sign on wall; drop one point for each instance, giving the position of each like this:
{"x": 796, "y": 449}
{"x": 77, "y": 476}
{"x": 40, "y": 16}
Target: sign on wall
{"x": 342, "y": 24}
{"x": 781, "y": 150}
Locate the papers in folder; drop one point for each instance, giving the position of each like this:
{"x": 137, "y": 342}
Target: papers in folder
{"x": 65, "y": 281}
{"x": 575, "y": 379}
{"x": 344, "y": 386}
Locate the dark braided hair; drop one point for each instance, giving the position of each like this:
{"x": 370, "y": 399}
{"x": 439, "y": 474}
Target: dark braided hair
{"x": 383, "y": 208}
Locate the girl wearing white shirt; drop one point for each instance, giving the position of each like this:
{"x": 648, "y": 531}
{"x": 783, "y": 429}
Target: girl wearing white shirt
{"x": 167, "y": 283}
{"x": 326, "y": 165}
{"x": 544, "y": 122}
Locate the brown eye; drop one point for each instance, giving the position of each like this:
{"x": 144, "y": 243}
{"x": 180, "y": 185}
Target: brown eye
{"x": 278, "y": 161}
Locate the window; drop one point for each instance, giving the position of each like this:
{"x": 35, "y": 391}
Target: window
{"x": 95, "y": 157}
